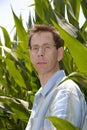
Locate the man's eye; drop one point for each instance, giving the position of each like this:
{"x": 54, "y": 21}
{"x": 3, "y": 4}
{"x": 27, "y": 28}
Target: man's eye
{"x": 47, "y": 47}
{"x": 34, "y": 48}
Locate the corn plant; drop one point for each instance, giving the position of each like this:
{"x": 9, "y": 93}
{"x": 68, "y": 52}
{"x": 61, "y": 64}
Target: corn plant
{"x": 18, "y": 79}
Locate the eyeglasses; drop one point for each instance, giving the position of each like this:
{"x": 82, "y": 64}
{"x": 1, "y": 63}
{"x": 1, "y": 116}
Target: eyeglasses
{"x": 45, "y": 48}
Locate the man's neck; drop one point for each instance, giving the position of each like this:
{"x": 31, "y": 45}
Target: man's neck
{"x": 44, "y": 78}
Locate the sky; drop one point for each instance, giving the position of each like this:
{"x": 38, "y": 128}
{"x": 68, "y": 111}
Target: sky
{"x": 19, "y": 6}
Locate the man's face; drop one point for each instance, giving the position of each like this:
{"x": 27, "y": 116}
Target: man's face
{"x": 44, "y": 55}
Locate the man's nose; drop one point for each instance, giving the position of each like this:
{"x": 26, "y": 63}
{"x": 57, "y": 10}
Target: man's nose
{"x": 41, "y": 51}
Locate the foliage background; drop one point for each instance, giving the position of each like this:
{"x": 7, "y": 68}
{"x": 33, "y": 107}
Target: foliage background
{"x": 18, "y": 79}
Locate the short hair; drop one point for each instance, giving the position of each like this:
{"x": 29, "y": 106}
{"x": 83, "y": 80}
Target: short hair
{"x": 59, "y": 42}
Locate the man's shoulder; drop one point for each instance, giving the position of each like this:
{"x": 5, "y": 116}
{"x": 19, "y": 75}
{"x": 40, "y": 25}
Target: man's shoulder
{"x": 69, "y": 86}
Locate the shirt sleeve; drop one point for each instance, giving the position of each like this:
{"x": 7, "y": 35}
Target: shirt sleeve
{"x": 67, "y": 105}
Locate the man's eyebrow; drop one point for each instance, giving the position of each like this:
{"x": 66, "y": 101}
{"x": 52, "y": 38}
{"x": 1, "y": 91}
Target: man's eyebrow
{"x": 46, "y": 43}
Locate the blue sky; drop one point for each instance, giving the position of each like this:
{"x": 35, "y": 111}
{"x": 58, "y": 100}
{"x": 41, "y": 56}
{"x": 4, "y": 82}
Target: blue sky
{"x": 19, "y": 6}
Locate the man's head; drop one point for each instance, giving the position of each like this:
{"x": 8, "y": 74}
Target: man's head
{"x": 46, "y": 49}
{"x": 45, "y": 28}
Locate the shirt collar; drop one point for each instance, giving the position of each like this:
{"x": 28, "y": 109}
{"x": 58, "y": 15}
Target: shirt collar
{"x": 55, "y": 79}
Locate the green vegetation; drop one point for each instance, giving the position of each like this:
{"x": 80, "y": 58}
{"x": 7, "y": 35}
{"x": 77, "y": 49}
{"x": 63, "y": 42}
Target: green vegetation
{"x": 18, "y": 79}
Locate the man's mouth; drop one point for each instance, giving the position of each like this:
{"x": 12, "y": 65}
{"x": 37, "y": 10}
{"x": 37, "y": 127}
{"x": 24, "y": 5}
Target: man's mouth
{"x": 41, "y": 62}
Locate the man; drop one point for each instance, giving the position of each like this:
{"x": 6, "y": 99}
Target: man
{"x": 54, "y": 98}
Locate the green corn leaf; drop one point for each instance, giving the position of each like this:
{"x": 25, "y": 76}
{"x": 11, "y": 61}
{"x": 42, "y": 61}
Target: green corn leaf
{"x": 61, "y": 124}
{"x": 77, "y": 50}
{"x": 13, "y": 71}
{"x": 6, "y": 37}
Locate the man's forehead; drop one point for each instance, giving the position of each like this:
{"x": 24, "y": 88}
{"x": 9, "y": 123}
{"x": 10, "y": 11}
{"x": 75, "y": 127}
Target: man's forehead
{"x": 43, "y": 36}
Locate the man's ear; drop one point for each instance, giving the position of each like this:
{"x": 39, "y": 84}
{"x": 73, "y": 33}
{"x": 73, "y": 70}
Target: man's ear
{"x": 60, "y": 53}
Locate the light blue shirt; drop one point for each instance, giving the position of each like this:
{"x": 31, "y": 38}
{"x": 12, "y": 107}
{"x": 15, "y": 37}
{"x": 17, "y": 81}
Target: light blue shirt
{"x": 64, "y": 100}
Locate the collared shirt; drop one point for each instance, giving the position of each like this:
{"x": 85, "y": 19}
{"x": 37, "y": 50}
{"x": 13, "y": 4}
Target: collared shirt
{"x": 64, "y": 100}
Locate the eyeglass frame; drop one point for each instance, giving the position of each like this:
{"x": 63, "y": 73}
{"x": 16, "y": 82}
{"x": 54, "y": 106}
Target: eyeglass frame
{"x": 46, "y": 47}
